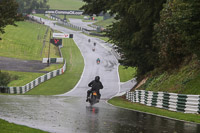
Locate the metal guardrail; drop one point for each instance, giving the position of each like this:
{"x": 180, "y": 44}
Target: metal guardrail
{"x": 170, "y": 101}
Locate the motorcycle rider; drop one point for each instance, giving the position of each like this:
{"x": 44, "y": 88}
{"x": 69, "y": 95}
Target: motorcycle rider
{"x": 96, "y": 86}
{"x": 98, "y": 60}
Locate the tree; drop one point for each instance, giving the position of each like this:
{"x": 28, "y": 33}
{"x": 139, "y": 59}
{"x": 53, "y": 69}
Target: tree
{"x": 8, "y": 14}
{"x": 5, "y": 78}
{"x": 27, "y": 6}
{"x": 177, "y": 35}
{"x": 133, "y": 30}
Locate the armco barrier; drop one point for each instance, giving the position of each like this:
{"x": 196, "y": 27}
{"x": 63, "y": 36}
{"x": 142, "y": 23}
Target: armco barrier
{"x": 34, "y": 83}
{"x": 170, "y": 101}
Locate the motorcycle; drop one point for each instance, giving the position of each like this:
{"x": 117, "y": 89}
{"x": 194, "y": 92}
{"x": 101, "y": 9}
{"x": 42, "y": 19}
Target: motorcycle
{"x": 93, "y": 98}
{"x": 98, "y": 61}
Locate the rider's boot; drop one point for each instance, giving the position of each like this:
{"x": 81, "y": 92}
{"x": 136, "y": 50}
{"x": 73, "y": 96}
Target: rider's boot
{"x": 87, "y": 99}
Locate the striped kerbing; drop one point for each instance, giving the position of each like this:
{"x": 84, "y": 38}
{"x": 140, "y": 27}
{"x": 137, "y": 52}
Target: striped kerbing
{"x": 15, "y": 90}
{"x": 20, "y": 89}
{"x": 171, "y": 101}
{"x": 181, "y": 102}
{"x": 166, "y": 100}
{"x": 39, "y": 80}
{"x": 146, "y": 97}
{"x": 142, "y": 100}
{"x": 139, "y": 96}
{"x": 199, "y": 105}
{"x": 154, "y": 99}
{"x": 134, "y": 94}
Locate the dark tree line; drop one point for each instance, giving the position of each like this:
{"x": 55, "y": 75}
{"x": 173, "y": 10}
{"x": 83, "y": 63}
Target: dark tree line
{"x": 27, "y": 6}
{"x": 152, "y": 33}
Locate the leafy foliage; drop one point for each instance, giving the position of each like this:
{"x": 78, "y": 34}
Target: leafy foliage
{"x": 5, "y": 78}
{"x": 178, "y": 32}
{"x": 27, "y": 6}
{"x": 8, "y": 14}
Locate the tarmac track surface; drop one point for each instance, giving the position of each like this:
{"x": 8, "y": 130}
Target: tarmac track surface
{"x": 69, "y": 113}
{"x": 13, "y": 64}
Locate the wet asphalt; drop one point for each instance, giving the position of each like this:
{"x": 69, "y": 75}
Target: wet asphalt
{"x": 73, "y": 115}
{"x": 69, "y": 113}
{"x": 13, "y": 64}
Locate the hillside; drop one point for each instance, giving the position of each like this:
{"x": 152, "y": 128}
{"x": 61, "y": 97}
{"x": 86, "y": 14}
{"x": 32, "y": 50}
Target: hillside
{"x": 183, "y": 80}
{"x": 25, "y": 42}
{"x": 65, "y": 4}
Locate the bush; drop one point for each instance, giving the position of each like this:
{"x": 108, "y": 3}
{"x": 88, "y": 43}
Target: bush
{"x": 5, "y": 78}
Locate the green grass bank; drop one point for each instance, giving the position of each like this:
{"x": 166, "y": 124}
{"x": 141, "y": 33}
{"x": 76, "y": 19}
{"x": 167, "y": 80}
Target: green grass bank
{"x": 64, "y": 82}
{"x": 22, "y": 78}
{"x": 105, "y": 23}
{"x": 6, "y": 127}
{"x": 23, "y": 41}
{"x": 185, "y": 80}
{"x": 65, "y": 4}
{"x": 126, "y": 73}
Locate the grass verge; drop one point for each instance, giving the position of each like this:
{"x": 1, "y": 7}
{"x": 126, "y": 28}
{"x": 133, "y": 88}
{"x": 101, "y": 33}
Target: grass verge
{"x": 69, "y": 79}
{"x": 105, "y": 23}
{"x": 185, "y": 80}
{"x": 126, "y": 74}
{"x": 22, "y": 78}
{"x": 52, "y": 67}
{"x": 23, "y": 41}
{"x": 7, "y": 127}
{"x": 54, "y": 51}
{"x": 121, "y": 102}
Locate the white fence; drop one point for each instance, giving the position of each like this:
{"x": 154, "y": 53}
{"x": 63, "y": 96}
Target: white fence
{"x": 170, "y": 101}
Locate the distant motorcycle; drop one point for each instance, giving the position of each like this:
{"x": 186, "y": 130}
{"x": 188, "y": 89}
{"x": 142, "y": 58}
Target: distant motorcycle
{"x": 98, "y": 61}
{"x": 94, "y": 98}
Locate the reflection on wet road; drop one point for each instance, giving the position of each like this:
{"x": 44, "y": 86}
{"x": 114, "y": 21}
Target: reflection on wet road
{"x": 73, "y": 115}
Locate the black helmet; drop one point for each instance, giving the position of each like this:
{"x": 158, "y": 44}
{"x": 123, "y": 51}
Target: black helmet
{"x": 97, "y": 78}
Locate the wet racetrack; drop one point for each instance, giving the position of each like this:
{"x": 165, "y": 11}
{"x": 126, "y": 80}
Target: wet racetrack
{"x": 69, "y": 113}
{"x": 73, "y": 115}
